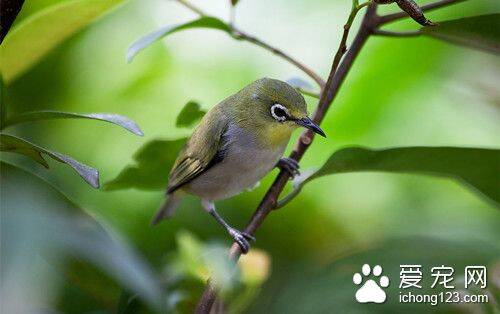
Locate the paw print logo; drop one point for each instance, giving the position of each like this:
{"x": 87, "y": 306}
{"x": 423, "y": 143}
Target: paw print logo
{"x": 371, "y": 290}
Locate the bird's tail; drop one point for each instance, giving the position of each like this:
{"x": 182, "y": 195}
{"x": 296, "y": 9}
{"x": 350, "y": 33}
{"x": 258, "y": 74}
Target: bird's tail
{"x": 167, "y": 209}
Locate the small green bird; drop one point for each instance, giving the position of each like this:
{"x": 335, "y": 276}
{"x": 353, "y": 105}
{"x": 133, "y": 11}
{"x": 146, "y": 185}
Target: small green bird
{"x": 236, "y": 144}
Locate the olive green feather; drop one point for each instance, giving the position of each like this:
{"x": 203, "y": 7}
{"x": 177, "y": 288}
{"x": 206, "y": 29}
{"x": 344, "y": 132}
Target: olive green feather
{"x": 200, "y": 150}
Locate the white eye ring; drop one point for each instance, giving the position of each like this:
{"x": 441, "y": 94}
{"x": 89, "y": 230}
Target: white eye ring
{"x": 276, "y": 116}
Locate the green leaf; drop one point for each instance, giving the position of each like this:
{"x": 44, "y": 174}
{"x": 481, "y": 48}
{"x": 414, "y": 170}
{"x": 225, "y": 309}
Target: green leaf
{"x": 13, "y": 144}
{"x": 479, "y": 32}
{"x": 234, "y": 2}
{"x": 190, "y": 114}
{"x": 203, "y": 22}
{"x": 38, "y": 220}
{"x": 477, "y": 168}
{"x": 120, "y": 120}
{"x": 153, "y": 162}
{"x": 38, "y": 34}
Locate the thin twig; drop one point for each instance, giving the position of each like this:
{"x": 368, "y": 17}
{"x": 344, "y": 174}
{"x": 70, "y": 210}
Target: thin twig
{"x": 191, "y": 7}
{"x": 381, "y": 32}
{"x": 247, "y": 37}
{"x": 241, "y": 35}
{"x": 269, "y": 202}
{"x": 347, "y": 27}
{"x": 307, "y": 92}
{"x": 389, "y": 18}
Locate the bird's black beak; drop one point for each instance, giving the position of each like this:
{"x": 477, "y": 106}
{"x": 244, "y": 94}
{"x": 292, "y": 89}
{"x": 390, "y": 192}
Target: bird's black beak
{"x": 307, "y": 123}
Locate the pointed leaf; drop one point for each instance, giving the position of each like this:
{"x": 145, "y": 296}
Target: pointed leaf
{"x": 13, "y": 144}
{"x": 190, "y": 114}
{"x": 153, "y": 162}
{"x": 38, "y": 34}
{"x": 203, "y": 22}
{"x": 120, "y": 120}
{"x": 477, "y": 168}
{"x": 479, "y": 32}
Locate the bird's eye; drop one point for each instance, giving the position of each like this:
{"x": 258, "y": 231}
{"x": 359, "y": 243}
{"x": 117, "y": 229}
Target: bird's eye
{"x": 279, "y": 112}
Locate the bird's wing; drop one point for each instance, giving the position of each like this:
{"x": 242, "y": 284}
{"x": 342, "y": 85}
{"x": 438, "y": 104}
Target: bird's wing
{"x": 205, "y": 148}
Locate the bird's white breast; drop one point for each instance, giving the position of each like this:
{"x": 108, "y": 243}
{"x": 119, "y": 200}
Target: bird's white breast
{"x": 246, "y": 161}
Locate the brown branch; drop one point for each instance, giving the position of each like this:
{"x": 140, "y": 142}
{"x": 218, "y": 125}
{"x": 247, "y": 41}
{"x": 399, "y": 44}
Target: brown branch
{"x": 389, "y": 18}
{"x": 269, "y": 202}
{"x": 339, "y": 70}
{"x": 241, "y": 35}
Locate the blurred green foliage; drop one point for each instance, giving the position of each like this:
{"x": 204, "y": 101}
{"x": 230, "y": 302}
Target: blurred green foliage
{"x": 49, "y": 226}
{"x": 189, "y": 115}
{"x": 400, "y": 92}
{"x": 32, "y": 39}
{"x": 480, "y": 32}
{"x": 152, "y": 165}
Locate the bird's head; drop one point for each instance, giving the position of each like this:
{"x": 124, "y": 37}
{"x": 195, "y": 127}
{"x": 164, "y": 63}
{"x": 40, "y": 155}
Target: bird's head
{"x": 273, "y": 109}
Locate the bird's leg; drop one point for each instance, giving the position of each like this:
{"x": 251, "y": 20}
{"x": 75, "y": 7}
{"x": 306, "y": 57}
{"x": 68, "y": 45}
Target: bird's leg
{"x": 241, "y": 238}
{"x": 290, "y": 165}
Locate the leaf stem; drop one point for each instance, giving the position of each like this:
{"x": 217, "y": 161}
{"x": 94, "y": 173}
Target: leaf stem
{"x": 347, "y": 26}
{"x": 289, "y": 197}
{"x": 191, "y": 7}
{"x": 381, "y": 32}
{"x": 241, "y": 35}
{"x": 252, "y": 39}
